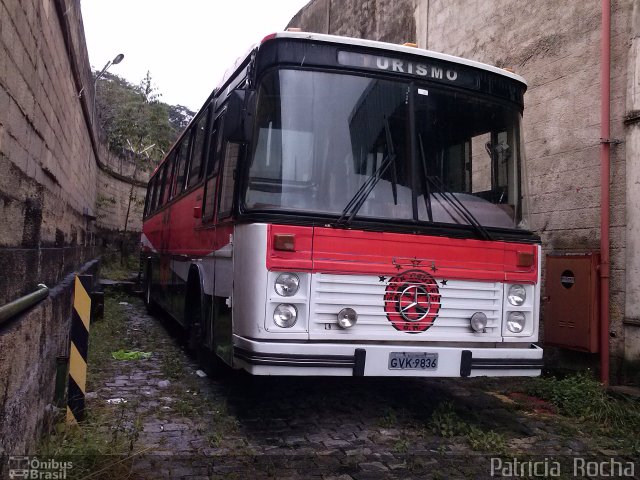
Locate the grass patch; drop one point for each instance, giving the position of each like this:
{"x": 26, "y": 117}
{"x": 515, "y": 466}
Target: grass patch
{"x": 102, "y": 445}
{"x": 172, "y": 366}
{"x": 581, "y": 396}
{"x": 105, "y": 337}
{"x": 113, "y": 268}
{"x": 446, "y": 423}
{"x": 401, "y": 446}
{"x": 389, "y": 419}
{"x": 486, "y": 441}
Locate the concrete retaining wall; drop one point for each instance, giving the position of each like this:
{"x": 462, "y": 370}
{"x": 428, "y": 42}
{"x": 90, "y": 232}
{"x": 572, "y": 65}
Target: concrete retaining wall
{"x": 29, "y": 347}
{"x": 52, "y": 172}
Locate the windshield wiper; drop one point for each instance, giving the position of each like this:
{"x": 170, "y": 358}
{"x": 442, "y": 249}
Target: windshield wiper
{"x": 463, "y": 211}
{"x": 356, "y": 202}
{"x": 427, "y": 193}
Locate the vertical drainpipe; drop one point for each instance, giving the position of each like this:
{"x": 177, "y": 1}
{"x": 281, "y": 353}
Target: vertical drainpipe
{"x": 605, "y": 111}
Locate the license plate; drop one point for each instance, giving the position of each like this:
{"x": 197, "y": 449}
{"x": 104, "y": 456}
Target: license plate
{"x": 413, "y": 361}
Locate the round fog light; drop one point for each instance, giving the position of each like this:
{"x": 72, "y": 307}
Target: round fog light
{"x": 515, "y": 322}
{"x": 516, "y": 295}
{"x": 285, "y": 315}
{"x": 478, "y": 322}
{"x": 347, "y": 317}
{"x": 287, "y": 284}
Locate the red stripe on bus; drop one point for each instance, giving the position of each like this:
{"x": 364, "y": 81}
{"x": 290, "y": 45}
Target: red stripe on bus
{"x": 329, "y": 250}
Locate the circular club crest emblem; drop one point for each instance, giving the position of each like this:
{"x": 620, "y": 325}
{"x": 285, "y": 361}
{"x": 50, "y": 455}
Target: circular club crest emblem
{"x": 412, "y": 301}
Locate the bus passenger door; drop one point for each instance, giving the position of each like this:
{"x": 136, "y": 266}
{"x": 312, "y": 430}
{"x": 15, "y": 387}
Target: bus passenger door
{"x": 163, "y": 247}
{"x": 223, "y": 325}
{"x": 207, "y": 233}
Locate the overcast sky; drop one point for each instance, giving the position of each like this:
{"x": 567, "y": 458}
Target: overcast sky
{"x": 186, "y": 44}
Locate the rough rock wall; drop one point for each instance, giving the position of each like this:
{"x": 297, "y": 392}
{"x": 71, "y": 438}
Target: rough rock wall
{"x": 386, "y": 20}
{"x": 50, "y": 166}
{"x": 556, "y": 47}
{"x": 113, "y": 194}
{"x": 53, "y": 171}
{"x": 47, "y": 163}
{"x": 29, "y": 347}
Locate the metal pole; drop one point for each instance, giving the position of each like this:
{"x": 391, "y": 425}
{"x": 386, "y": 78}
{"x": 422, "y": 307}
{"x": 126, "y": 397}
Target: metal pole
{"x": 605, "y": 142}
{"x": 95, "y": 84}
{"x": 17, "y": 306}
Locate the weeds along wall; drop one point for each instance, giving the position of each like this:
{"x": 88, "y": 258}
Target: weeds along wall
{"x": 53, "y": 172}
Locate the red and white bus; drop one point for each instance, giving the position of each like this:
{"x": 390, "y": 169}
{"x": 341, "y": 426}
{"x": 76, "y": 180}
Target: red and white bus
{"x": 350, "y": 207}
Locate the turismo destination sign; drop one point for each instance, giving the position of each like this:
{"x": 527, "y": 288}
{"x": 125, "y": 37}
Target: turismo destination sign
{"x": 430, "y": 70}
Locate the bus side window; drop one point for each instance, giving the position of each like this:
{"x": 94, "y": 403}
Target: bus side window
{"x": 154, "y": 194}
{"x": 213, "y": 167}
{"x": 162, "y": 185}
{"x": 480, "y": 163}
{"x": 147, "y": 199}
{"x": 231, "y": 154}
{"x": 197, "y": 154}
{"x": 169, "y": 179}
{"x": 181, "y": 166}
{"x": 171, "y": 164}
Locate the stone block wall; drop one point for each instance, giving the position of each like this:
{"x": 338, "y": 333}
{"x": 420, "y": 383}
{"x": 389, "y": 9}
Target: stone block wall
{"x": 29, "y": 348}
{"x": 120, "y": 179}
{"x": 52, "y": 172}
{"x": 48, "y": 163}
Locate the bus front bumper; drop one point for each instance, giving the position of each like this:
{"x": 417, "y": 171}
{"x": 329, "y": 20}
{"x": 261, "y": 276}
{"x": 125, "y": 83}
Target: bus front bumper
{"x": 383, "y": 360}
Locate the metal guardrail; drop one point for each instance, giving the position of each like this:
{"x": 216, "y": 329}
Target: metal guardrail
{"x": 21, "y": 304}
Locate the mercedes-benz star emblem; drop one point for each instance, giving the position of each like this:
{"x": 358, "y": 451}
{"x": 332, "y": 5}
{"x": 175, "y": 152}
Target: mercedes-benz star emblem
{"x": 414, "y": 303}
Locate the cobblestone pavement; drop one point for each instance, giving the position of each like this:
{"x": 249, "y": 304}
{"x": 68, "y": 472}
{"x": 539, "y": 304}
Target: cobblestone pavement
{"x": 187, "y": 426}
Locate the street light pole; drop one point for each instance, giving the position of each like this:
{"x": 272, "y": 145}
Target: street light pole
{"x": 115, "y": 61}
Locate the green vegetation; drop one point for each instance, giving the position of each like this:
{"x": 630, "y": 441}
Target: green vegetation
{"x": 389, "y": 419}
{"x": 446, "y": 423}
{"x": 105, "y": 337}
{"x": 581, "y": 396}
{"x": 114, "y": 267}
{"x": 134, "y": 120}
{"x": 103, "y": 444}
{"x": 172, "y": 367}
{"x": 401, "y": 446}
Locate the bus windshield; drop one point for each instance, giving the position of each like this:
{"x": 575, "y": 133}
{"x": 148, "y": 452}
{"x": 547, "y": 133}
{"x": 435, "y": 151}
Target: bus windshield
{"x": 412, "y": 151}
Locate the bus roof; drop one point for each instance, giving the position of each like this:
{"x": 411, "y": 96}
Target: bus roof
{"x": 391, "y": 47}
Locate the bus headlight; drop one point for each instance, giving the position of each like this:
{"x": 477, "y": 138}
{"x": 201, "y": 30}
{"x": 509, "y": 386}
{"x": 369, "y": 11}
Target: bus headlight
{"x": 347, "y": 317}
{"x": 287, "y": 284}
{"x": 285, "y": 315}
{"x": 516, "y": 295}
{"x": 478, "y": 322}
{"x": 515, "y": 322}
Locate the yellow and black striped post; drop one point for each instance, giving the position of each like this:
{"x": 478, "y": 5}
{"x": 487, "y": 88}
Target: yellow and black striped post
{"x": 81, "y": 318}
